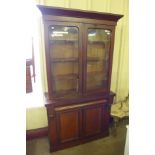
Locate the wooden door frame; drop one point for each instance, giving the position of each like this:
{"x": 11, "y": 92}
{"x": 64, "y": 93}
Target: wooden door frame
{"x": 47, "y": 53}
{"x": 85, "y": 40}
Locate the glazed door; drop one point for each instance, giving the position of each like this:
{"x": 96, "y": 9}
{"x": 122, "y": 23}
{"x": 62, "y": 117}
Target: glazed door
{"x": 98, "y": 48}
{"x": 64, "y": 58}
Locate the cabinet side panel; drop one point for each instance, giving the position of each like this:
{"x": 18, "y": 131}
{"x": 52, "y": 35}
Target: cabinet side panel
{"x": 106, "y": 117}
{"x": 106, "y": 112}
{"x": 52, "y": 132}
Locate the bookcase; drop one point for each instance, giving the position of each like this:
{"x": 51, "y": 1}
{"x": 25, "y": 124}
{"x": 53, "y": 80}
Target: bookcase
{"x": 79, "y": 52}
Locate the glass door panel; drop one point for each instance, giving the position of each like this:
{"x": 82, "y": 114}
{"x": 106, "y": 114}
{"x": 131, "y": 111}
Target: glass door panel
{"x": 64, "y": 56}
{"x": 98, "y": 46}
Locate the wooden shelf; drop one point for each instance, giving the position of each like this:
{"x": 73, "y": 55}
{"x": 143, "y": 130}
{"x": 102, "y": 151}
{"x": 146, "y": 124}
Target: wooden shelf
{"x": 89, "y": 86}
{"x": 96, "y": 73}
{"x": 93, "y": 59}
{"x": 55, "y": 60}
{"x": 98, "y": 42}
{"x": 66, "y": 76}
{"x": 63, "y": 41}
{"x": 96, "y": 59}
{"x": 95, "y": 87}
{"x": 63, "y": 92}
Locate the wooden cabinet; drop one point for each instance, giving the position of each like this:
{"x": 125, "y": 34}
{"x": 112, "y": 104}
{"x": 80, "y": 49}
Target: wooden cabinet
{"x": 78, "y": 123}
{"x": 79, "y": 50}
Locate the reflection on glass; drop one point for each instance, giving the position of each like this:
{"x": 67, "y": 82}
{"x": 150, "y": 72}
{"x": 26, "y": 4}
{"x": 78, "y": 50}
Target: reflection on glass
{"x": 98, "y": 47}
{"x": 64, "y": 58}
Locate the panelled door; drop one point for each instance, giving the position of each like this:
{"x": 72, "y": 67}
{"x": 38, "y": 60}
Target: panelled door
{"x": 80, "y": 121}
{"x": 68, "y": 125}
{"x": 92, "y": 120}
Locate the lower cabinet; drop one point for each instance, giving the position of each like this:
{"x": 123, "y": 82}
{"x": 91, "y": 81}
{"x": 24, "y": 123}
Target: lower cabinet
{"x": 72, "y": 125}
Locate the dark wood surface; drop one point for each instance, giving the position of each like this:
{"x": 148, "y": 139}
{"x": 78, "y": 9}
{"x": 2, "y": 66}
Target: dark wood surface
{"x": 58, "y": 11}
{"x": 76, "y": 124}
{"x": 79, "y": 20}
{"x": 77, "y": 117}
{"x": 92, "y": 120}
{"x": 68, "y": 125}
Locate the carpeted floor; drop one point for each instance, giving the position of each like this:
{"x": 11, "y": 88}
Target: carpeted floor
{"x": 112, "y": 145}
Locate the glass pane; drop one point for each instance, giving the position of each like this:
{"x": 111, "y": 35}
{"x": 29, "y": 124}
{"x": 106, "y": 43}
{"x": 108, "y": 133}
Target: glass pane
{"x": 98, "y": 47}
{"x": 64, "y": 58}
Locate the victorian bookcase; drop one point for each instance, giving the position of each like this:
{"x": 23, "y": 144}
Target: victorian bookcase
{"x": 79, "y": 52}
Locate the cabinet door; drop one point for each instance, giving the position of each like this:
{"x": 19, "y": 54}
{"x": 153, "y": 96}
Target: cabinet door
{"x": 68, "y": 125}
{"x": 64, "y": 57}
{"x": 98, "y": 57}
{"x": 92, "y": 120}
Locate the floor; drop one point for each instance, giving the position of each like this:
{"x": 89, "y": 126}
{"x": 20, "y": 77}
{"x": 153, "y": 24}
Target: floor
{"x": 112, "y": 145}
